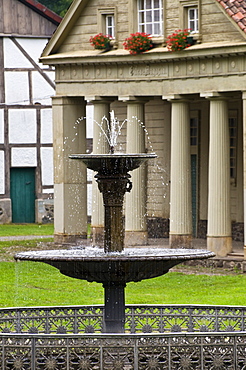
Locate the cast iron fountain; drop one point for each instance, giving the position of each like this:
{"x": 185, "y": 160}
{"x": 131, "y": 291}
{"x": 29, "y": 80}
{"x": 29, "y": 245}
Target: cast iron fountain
{"x": 114, "y": 266}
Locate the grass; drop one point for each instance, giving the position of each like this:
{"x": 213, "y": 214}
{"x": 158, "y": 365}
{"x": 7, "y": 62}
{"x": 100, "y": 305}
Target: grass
{"x": 38, "y": 284}
{"x": 26, "y": 229}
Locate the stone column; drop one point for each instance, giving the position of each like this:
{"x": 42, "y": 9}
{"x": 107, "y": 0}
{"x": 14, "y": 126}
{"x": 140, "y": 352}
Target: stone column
{"x": 135, "y": 209}
{"x": 219, "y": 218}
{"x": 180, "y": 190}
{"x": 100, "y": 146}
{"x": 70, "y": 176}
{"x": 244, "y": 166}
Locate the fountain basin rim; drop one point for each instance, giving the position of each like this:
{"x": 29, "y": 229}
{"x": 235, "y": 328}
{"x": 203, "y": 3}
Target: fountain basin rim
{"x": 128, "y": 254}
{"x": 114, "y": 156}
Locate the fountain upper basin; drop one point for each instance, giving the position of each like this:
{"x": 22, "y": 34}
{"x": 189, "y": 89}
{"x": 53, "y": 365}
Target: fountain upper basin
{"x": 119, "y": 163}
{"x": 132, "y": 264}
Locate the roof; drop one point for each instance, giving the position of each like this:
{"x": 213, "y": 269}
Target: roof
{"x": 43, "y": 10}
{"x": 236, "y": 9}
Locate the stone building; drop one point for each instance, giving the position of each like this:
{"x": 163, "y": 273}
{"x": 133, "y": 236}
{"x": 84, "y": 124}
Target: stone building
{"x": 192, "y": 103}
{"x": 26, "y": 154}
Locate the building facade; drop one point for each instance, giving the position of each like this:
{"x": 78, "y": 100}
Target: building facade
{"x": 26, "y": 154}
{"x": 187, "y": 106}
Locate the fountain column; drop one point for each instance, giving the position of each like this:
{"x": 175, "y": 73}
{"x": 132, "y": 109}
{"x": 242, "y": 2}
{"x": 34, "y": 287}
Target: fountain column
{"x": 180, "y": 191}
{"x": 219, "y": 218}
{"x": 70, "y": 177}
{"x": 100, "y": 146}
{"x": 135, "y": 209}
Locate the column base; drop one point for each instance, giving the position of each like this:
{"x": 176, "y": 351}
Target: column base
{"x": 97, "y": 235}
{"x": 180, "y": 241}
{"x": 221, "y": 246}
{"x": 133, "y": 238}
{"x": 5, "y": 211}
{"x": 244, "y": 252}
{"x": 69, "y": 239}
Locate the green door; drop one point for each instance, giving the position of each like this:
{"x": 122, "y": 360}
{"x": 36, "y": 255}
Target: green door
{"x": 22, "y": 194}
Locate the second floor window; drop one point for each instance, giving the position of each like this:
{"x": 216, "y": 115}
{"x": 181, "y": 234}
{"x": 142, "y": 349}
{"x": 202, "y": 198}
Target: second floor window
{"x": 150, "y": 17}
{"x": 193, "y": 20}
{"x": 110, "y": 25}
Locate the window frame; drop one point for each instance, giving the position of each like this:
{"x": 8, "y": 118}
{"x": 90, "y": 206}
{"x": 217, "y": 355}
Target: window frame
{"x": 144, "y": 11}
{"x": 184, "y": 6}
{"x": 233, "y": 116}
{"x": 110, "y": 27}
{"x": 133, "y": 25}
{"x": 102, "y": 14}
{"x": 195, "y": 20}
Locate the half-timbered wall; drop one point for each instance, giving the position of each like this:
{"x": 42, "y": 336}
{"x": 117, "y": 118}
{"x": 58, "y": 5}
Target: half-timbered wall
{"x": 26, "y": 87}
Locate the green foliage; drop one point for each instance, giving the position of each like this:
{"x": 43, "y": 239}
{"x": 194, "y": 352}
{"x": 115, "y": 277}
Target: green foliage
{"x": 58, "y": 6}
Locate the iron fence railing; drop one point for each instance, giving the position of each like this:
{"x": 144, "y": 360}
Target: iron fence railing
{"x": 176, "y": 351}
{"x": 139, "y": 319}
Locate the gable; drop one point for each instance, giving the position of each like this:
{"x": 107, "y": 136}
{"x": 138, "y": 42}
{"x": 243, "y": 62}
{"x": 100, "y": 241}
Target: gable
{"x": 82, "y": 21}
{"x": 18, "y": 17}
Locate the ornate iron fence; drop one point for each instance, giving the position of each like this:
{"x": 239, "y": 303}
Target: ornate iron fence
{"x": 171, "y": 337}
{"x": 181, "y": 351}
{"x": 139, "y": 319}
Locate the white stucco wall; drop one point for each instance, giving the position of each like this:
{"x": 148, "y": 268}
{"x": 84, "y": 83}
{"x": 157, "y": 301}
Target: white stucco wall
{"x": 41, "y": 89}
{"x": 47, "y": 166}
{"x": 13, "y": 57}
{"x": 16, "y": 87}
{"x": 1, "y": 126}
{"x": 22, "y": 126}
{"x": 2, "y": 169}
{"x": 24, "y": 157}
{"x": 34, "y": 47}
{"x": 46, "y": 136}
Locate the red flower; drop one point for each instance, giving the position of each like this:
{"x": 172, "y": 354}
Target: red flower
{"x": 138, "y": 42}
{"x": 100, "y": 41}
{"x": 178, "y": 40}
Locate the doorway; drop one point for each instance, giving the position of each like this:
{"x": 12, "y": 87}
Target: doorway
{"x": 22, "y": 194}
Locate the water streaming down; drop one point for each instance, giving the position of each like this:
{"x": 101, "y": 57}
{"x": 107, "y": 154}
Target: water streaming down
{"x": 114, "y": 266}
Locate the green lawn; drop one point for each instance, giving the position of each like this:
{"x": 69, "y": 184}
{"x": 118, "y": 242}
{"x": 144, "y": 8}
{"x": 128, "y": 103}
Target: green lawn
{"x": 38, "y": 284}
{"x": 34, "y": 283}
{"x": 26, "y": 229}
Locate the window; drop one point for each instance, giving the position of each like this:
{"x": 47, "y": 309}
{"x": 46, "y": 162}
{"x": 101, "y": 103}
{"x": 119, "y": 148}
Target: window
{"x": 233, "y": 146}
{"x": 194, "y": 131}
{"x": 107, "y": 21}
{"x": 110, "y": 25}
{"x": 192, "y": 19}
{"x": 150, "y": 17}
{"x": 190, "y": 15}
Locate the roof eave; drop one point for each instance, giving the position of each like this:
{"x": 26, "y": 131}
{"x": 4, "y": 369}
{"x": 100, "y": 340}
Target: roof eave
{"x": 43, "y": 10}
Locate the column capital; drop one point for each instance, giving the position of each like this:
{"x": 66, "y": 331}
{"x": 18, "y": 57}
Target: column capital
{"x": 67, "y": 100}
{"x": 99, "y": 99}
{"x": 213, "y": 95}
{"x": 176, "y": 98}
{"x": 133, "y": 99}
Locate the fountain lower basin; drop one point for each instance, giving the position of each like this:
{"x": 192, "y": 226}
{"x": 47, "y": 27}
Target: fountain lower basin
{"x": 132, "y": 264}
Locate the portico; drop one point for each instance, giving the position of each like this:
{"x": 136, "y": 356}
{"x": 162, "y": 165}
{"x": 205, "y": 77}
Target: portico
{"x": 199, "y": 187}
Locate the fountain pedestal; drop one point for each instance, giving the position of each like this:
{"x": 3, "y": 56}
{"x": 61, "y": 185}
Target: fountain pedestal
{"x": 114, "y": 307}
{"x": 113, "y": 189}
